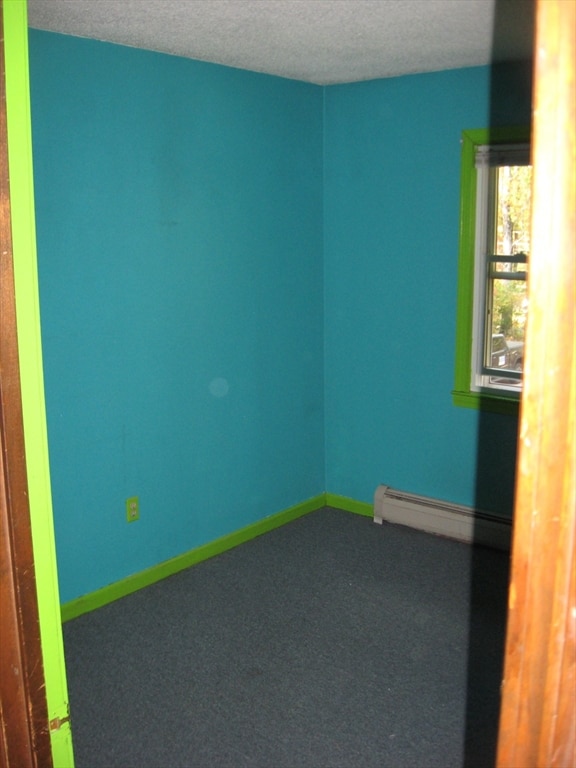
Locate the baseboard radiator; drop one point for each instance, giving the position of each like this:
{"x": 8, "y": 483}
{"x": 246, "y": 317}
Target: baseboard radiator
{"x": 441, "y": 517}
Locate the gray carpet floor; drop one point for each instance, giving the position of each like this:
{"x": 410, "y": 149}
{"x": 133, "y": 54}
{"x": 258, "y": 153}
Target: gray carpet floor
{"x": 331, "y": 642}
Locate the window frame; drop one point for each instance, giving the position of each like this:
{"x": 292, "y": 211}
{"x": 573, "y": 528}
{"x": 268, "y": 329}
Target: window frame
{"x": 463, "y": 395}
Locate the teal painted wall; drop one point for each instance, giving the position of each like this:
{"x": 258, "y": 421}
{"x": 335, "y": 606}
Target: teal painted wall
{"x": 248, "y": 292}
{"x": 392, "y": 165}
{"x": 179, "y": 225}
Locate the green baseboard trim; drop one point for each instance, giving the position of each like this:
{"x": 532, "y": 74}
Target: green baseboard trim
{"x": 349, "y": 505}
{"x": 130, "y": 584}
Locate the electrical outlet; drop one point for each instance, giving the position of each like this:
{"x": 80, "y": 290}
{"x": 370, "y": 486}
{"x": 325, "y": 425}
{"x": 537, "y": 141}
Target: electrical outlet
{"x": 132, "y": 509}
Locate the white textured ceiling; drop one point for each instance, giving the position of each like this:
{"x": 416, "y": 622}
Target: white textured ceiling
{"x": 320, "y": 41}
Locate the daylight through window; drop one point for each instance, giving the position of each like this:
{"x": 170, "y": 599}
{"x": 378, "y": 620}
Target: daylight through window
{"x": 494, "y": 263}
{"x": 502, "y": 252}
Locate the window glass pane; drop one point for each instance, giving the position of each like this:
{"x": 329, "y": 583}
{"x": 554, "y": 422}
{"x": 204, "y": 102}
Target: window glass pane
{"x": 509, "y": 308}
{"x": 514, "y": 194}
{"x": 507, "y": 323}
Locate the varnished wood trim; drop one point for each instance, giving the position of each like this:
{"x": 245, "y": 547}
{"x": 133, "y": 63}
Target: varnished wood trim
{"x": 538, "y": 721}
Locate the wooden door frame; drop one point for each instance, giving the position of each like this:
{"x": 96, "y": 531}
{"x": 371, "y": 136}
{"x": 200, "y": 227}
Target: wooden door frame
{"x": 24, "y": 732}
{"x": 538, "y": 720}
{"x": 27, "y": 409}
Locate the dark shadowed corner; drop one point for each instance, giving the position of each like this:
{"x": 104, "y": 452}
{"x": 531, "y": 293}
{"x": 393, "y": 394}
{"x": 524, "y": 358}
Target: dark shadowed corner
{"x": 510, "y": 96}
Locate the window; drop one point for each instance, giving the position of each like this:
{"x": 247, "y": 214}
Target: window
{"x": 495, "y": 210}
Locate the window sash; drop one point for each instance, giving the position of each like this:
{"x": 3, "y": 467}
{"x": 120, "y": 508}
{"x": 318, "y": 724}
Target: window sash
{"x": 493, "y": 274}
{"x": 483, "y": 376}
{"x": 497, "y": 155}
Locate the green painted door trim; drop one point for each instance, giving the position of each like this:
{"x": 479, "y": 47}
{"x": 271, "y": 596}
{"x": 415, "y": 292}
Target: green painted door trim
{"x": 130, "y": 584}
{"x": 30, "y": 354}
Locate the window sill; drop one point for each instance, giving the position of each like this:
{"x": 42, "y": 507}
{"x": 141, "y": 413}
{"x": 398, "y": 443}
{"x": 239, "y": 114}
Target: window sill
{"x": 483, "y": 402}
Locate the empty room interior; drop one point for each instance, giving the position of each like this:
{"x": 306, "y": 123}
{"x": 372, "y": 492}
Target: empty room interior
{"x": 248, "y": 285}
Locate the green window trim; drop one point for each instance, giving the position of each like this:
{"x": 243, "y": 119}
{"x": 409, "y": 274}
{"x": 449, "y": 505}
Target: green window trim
{"x": 462, "y": 395}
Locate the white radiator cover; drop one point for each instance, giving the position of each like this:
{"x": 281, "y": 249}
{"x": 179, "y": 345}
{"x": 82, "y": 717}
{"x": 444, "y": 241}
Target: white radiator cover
{"x": 441, "y": 517}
